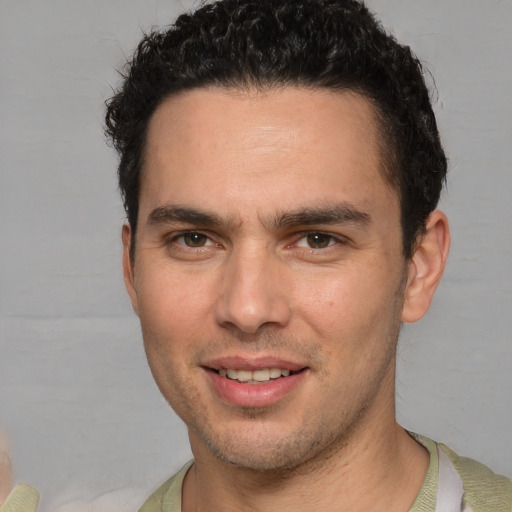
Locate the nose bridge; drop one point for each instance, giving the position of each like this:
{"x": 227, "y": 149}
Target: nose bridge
{"x": 253, "y": 291}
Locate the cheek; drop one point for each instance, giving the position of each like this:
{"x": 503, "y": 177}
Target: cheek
{"x": 352, "y": 302}
{"x": 324, "y": 307}
{"x": 172, "y": 319}
{"x": 173, "y": 307}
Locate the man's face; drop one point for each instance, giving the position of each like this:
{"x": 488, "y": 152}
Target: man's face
{"x": 268, "y": 248}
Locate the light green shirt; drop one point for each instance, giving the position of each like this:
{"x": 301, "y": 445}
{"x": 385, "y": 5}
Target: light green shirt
{"x": 22, "y": 498}
{"x": 483, "y": 490}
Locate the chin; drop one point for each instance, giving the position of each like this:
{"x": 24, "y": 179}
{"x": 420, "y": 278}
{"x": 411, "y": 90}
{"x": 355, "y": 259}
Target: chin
{"x": 265, "y": 451}
{"x": 262, "y": 462}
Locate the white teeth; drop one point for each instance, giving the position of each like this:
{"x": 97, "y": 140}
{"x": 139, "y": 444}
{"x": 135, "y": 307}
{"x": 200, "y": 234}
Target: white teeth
{"x": 262, "y": 375}
{"x": 244, "y": 375}
{"x": 275, "y": 373}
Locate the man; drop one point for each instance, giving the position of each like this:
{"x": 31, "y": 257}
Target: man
{"x": 280, "y": 167}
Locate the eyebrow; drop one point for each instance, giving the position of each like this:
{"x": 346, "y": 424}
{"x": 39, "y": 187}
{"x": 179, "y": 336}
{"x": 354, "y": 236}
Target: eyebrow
{"x": 341, "y": 213}
{"x": 167, "y": 214}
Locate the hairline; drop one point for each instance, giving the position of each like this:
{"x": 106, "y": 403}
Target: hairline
{"x": 386, "y": 145}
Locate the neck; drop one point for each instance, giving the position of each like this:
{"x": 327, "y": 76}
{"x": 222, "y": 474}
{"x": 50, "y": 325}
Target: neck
{"x": 377, "y": 467}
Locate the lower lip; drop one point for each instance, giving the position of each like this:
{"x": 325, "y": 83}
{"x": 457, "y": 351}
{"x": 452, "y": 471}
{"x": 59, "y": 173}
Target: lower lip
{"x": 264, "y": 394}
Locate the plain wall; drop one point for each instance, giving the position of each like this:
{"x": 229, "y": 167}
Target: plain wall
{"x": 76, "y": 396}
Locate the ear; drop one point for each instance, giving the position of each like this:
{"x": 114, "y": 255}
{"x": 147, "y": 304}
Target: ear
{"x": 128, "y": 266}
{"x": 426, "y": 267}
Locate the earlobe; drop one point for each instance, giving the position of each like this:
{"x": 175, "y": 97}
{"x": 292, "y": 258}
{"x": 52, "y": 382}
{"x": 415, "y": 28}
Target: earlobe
{"x": 128, "y": 266}
{"x": 426, "y": 267}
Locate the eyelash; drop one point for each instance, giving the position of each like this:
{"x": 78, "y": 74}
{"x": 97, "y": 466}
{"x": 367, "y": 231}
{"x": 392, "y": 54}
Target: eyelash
{"x": 332, "y": 240}
{"x": 175, "y": 237}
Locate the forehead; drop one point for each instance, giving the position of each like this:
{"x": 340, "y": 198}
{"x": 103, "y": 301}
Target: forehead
{"x": 267, "y": 148}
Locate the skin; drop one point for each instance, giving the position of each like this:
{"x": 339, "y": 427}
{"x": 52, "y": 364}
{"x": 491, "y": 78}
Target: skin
{"x": 298, "y": 258}
{"x": 22, "y": 496}
{"x": 5, "y": 469}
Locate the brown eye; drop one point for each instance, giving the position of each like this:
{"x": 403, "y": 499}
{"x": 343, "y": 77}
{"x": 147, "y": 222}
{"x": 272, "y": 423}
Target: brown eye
{"x": 194, "y": 239}
{"x": 319, "y": 240}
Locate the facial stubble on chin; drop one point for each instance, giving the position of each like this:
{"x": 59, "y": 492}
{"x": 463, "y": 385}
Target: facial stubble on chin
{"x": 304, "y": 449}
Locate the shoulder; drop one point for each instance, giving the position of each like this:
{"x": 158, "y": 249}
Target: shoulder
{"x": 167, "y": 498}
{"x": 484, "y": 490}
{"x": 481, "y": 490}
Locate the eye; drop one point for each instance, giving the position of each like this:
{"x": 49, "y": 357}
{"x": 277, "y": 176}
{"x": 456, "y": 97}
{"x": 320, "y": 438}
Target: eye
{"x": 316, "y": 241}
{"x": 193, "y": 239}
{"x": 191, "y": 245}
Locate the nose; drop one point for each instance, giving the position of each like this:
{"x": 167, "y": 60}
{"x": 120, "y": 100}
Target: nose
{"x": 254, "y": 292}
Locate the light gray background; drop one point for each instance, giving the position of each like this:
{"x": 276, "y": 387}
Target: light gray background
{"x": 76, "y": 397}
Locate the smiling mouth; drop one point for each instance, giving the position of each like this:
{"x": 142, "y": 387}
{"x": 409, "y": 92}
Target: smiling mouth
{"x": 260, "y": 376}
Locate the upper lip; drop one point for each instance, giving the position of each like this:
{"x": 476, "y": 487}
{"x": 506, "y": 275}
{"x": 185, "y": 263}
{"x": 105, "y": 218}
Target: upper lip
{"x": 253, "y": 363}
